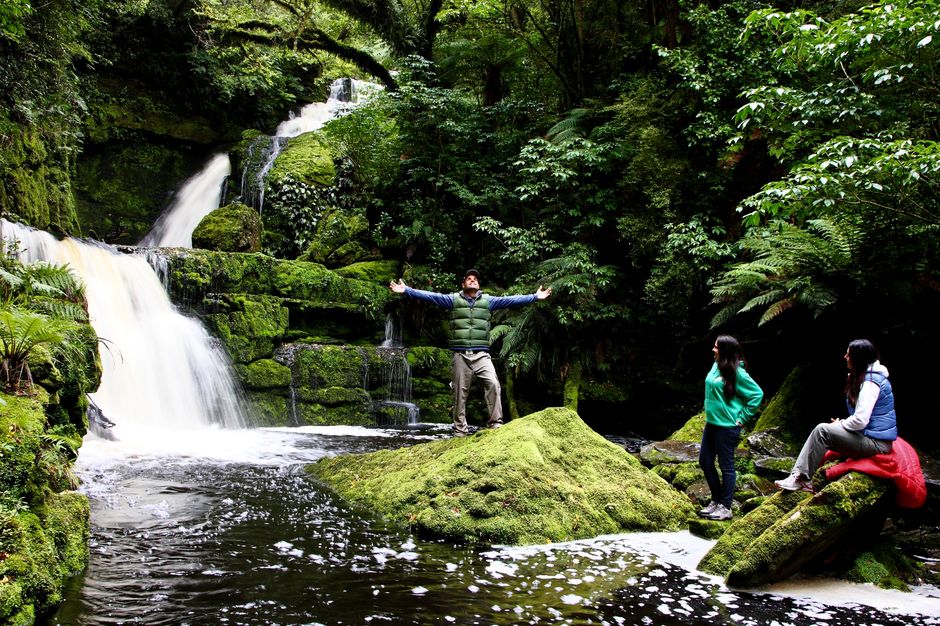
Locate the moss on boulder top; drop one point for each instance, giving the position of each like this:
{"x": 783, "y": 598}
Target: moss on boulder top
{"x": 305, "y": 159}
{"x": 544, "y": 478}
{"x": 232, "y": 228}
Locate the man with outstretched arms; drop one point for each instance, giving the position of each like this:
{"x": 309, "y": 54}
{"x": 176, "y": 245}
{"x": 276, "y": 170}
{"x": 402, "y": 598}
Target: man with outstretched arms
{"x": 469, "y": 331}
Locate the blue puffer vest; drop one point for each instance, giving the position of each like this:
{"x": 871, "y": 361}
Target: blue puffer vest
{"x": 883, "y": 424}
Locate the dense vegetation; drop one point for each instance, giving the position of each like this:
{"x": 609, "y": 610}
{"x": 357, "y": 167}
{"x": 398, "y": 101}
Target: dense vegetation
{"x": 763, "y": 168}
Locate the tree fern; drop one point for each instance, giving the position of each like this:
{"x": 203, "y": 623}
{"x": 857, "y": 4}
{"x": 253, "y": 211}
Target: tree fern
{"x": 793, "y": 267}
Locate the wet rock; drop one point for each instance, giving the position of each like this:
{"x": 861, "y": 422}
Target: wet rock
{"x": 545, "y": 477}
{"x": 658, "y": 452}
{"x": 791, "y": 530}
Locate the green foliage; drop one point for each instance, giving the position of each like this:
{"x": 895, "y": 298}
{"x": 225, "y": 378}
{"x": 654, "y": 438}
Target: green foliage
{"x": 856, "y": 128}
{"x": 12, "y": 15}
{"x": 22, "y": 332}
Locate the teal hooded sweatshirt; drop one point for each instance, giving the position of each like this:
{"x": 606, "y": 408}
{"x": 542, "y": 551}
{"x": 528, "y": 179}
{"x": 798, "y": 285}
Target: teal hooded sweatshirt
{"x": 740, "y": 408}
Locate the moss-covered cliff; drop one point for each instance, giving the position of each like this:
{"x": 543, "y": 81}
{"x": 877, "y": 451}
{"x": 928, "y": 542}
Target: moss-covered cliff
{"x": 43, "y": 522}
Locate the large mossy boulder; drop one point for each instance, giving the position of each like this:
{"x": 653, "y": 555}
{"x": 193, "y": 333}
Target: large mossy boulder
{"x": 232, "y": 228}
{"x": 544, "y": 478}
{"x": 792, "y": 530}
{"x": 799, "y": 404}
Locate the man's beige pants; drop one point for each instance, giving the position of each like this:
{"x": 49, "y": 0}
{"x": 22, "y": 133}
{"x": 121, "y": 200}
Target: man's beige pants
{"x": 466, "y": 365}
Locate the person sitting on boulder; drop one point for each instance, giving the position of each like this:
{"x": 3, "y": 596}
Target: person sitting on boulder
{"x": 731, "y": 398}
{"x": 870, "y": 428}
{"x": 470, "y": 340}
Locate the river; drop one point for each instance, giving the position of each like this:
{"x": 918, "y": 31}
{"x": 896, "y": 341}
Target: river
{"x": 224, "y": 527}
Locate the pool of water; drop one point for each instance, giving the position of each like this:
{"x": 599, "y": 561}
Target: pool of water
{"x": 224, "y": 527}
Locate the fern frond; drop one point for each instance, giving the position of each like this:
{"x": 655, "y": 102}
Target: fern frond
{"x": 776, "y": 309}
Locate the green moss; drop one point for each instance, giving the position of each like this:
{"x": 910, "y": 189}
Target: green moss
{"x": 121, "y": 186}
{"x": 232, "y": 228}
{"x": 546, "y": 477}
{"x": 251, "y": 326}
{"x": 330, "y": 366}
{"x": 306, "y": 159}
{"x": 264, "y": 374}
{"x": 270, "y": 408}
{"x": 791, "y": 530}
{"x": 794, "y": 410}
{"x": 691, "y": 431}
{"x": 340, "y": 238}
{"x": 379, "y": 272}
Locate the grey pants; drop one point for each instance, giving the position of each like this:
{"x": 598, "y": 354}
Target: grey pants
{"x": 465, "y": 367}
{"x": 834, "y": 437}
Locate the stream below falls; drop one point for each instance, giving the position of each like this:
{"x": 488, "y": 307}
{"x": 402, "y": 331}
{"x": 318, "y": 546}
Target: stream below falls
{"x": 224, "y": 527}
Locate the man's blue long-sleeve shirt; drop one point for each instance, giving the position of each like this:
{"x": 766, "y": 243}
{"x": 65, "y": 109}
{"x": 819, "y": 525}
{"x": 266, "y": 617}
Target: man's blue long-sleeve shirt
{"x": 446, "y": 300}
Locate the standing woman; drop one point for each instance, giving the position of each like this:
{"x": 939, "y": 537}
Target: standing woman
{"x": 870, "y": 428}
{"x": 731, "y": 398}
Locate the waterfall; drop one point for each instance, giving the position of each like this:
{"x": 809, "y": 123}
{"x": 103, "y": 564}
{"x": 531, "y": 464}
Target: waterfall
{"x": 397, "y": 375}
{"x": 162, "y": 373}
{"x": 199, "y": 196}
{"x": 345, "y": 95}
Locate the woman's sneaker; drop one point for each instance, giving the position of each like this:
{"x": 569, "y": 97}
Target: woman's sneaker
{"x": 795, "y": 482}
{"x": 708, "y": 510}
{"x": 721, "y": 513}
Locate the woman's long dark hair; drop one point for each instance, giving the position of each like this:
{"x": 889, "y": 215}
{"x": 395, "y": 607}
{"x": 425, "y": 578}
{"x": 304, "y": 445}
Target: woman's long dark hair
{"x": 729, "y": 356}
{"x": 862, "y": 353}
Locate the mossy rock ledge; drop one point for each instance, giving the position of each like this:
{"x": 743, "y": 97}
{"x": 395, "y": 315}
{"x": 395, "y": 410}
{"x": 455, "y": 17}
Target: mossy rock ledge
{"x": 792, "y": 530}
{"x": 543, "y": 478}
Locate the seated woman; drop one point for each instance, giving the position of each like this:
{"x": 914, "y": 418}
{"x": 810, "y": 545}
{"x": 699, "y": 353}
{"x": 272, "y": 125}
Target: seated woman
{"x": 870, "y": 428}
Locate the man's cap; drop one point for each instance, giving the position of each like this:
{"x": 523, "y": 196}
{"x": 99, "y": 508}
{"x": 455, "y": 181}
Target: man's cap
{"x": 471, "y": 272}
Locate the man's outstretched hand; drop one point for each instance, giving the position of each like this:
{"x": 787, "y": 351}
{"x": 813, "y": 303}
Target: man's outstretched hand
{"x": 399, "y": 287}
{"x": 543, "y": 293}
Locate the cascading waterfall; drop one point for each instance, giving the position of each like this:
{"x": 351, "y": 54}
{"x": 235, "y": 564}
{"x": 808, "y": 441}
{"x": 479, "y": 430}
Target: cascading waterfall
{"x": 162, "y": 373}
{"x": 397, "y": 374}
{"x": 345, "y": 95}
{"x": 199, "y": 196}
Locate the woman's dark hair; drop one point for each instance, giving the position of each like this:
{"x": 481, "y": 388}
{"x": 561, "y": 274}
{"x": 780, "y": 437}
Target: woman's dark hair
{"x": 862, "y": 353}
{"x": 729, "y": 356}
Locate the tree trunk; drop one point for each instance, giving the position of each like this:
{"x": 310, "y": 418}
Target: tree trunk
{"x": 572, "y": 384}
{"x": 510, "y": 393}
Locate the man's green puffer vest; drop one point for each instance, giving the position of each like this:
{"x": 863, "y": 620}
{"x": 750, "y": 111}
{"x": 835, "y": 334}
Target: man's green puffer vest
{"x": 470, "y": 322}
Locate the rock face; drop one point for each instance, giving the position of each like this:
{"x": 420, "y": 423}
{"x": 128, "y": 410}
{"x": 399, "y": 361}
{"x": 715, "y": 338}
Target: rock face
{"x": 791, "y": 530}
{"x": 44, "y": 522}
{"x": 543, "y": 478}
{"x": 305, "y": 340}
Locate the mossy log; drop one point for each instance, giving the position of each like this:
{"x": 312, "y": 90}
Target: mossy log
{"x": 792, "y": 530}
{"x": 544, "y": 478}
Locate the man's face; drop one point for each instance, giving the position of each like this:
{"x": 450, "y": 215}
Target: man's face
{"x": 471, "y": 283}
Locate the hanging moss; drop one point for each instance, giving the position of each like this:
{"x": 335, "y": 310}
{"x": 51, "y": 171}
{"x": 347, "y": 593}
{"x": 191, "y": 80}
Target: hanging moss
{"x": 546, "y": 477}
{"x": 306, "y": 159}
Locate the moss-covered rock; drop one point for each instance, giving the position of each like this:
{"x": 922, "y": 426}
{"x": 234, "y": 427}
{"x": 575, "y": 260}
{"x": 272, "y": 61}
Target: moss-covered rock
{"x": 790, "y": 530}
{"x": 381, "y": 272}
{"x": 306, "y": 159}
{"x": 340, "y": 238}
{"x": 691, "y": 431}
{"x": 250, "y": 327}
{"x": 545, "y": 477}
{"x": 794, "y": 410}
{"x": 264, "y": 374}
{"x": 232, "y": 228}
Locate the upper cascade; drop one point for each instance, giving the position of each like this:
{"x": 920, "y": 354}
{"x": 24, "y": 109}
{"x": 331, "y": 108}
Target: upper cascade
{"x": 161, "y": 371}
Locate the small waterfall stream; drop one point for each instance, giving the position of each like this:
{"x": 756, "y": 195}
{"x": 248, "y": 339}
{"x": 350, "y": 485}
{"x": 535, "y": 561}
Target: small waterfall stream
{"x": 397, "y": 404}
